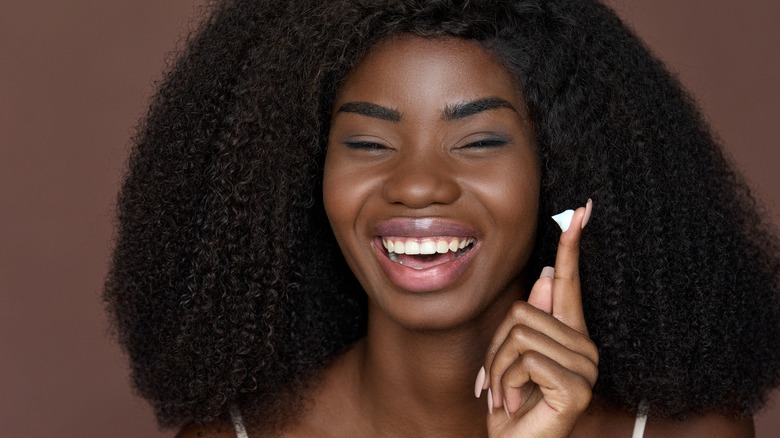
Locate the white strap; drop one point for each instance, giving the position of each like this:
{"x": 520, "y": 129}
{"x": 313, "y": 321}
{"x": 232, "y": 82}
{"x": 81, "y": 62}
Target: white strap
{"x": 238, "y": 422}
{"x": 641, "y": 420}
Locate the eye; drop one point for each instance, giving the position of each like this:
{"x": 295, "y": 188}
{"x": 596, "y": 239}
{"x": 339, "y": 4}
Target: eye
{"x": 365, "y": 145}
{"x": 485, "y": 144}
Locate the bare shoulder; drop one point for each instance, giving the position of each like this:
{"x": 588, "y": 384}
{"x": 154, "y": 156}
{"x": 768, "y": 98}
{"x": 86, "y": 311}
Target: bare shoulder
{"x": 217, "y": 430}
{"x": 606, "y": 424}
{"x": 712, "y": 425}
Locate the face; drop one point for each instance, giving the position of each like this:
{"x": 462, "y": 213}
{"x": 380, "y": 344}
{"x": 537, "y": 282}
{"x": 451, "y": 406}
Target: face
{"x": 431, "y": 181}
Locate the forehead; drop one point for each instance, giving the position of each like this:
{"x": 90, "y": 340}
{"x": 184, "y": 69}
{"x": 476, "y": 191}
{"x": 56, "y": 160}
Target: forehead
{"x": 413, "y": 66}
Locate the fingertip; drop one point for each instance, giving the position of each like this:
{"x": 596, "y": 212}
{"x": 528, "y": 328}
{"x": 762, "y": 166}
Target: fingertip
{"x": 588, "y": 211}
{"x": 479, "y": 385}
{"x": 541, "y": 293}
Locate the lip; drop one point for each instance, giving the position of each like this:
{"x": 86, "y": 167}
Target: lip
{"x": 423, "y": 227}
{"x": 430, "y": 279}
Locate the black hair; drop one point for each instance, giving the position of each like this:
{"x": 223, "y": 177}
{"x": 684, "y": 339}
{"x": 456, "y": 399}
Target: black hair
{"x": 227, "y": 286}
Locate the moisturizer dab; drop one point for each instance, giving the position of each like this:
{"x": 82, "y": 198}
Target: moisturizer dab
{"x": 563, "y": 219}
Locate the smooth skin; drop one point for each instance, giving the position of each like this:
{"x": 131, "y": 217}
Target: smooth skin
{"x": 437, "y": 130}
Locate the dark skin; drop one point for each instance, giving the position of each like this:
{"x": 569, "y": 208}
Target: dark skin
{"x": 430, "y": 142}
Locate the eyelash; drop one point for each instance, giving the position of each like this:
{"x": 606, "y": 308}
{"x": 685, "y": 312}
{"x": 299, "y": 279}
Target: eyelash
{"x": 366, "y": 145}
{"x": 481, "y": 144}
{"x": 486, "y": 144}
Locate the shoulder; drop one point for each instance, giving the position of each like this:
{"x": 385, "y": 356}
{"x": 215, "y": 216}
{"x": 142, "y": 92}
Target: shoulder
{"x": 216, "y": 430}
{"x": 713, "y": 425}
{"x": 608, "y": 424}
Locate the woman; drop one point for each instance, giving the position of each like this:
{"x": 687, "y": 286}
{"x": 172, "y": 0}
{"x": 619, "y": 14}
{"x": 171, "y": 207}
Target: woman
{"x": 295, "y": 147}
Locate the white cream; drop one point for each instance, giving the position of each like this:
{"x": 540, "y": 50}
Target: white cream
{"x": 563, "y": 219}
{"x": 414, "y": 246}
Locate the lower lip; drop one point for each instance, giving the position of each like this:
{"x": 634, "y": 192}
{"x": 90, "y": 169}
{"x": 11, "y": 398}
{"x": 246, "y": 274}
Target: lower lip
{"x": 424, "y": 280}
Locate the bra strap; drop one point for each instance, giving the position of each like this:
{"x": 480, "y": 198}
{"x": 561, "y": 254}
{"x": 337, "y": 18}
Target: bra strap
{"x": 641, "y": 420}
{"x": 238, "y": 422}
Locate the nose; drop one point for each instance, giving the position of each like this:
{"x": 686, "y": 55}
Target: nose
{"x": 418, "y": 182}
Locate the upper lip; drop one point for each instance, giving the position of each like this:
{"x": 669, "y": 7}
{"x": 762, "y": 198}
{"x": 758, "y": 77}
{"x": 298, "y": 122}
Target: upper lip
{"x": 423, "y": 227}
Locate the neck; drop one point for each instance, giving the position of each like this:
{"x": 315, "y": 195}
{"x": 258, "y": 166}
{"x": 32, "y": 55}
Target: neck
{"x": 421, "y": 382}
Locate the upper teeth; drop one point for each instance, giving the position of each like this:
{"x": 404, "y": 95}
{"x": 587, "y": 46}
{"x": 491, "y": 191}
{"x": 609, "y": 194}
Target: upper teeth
{"x": 425, "y": 246}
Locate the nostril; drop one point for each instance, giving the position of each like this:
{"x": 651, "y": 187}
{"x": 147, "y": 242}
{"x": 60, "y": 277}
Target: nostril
{"x": 420, "y": 189}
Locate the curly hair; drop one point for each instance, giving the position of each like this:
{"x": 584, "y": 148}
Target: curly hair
{"x": 227, "y": 286}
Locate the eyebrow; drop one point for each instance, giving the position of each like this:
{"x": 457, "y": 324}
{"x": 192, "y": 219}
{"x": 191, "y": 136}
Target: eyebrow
{"x": 371, "y": 110}
{"x": 465, "y": 109}
{"x": 451, "y": 112}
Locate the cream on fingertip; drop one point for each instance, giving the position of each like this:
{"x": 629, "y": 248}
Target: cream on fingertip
{"x": 563, "y": 219}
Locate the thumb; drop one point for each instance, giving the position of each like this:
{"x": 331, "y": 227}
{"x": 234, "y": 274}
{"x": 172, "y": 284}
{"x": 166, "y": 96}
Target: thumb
{"x": 541, "y": 294}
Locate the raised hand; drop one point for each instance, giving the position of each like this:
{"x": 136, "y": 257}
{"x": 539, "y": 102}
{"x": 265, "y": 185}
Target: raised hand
{"x": 541, "y": 365}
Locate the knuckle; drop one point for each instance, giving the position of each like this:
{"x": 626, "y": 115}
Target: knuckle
{"x": 578, "y": 393}
{"x": 519, "y": 334}
{"x": 592, "y": 375}
{"x": 572, "y": 277}
{"x": 531, "y": 359}
{"x": 506, "y": 382}
{"x": 518, "y": 310}
{"x": 587, "y": 347}
{"x": 582, "y": 394}
{"x": 592, "y": 351}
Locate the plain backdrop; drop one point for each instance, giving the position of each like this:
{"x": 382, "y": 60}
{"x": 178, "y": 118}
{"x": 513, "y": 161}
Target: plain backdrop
{"x": 76, "y": 75}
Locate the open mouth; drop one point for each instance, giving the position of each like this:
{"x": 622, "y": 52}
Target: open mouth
{"x": 424, "y": 253}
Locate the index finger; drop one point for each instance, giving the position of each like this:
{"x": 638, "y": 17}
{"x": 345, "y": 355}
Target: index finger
{"x": 566, "y": 291}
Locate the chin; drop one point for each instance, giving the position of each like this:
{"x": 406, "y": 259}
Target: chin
{"x": 442, "y": 310}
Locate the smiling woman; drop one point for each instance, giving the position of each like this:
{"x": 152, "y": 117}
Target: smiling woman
{"x": 455, "y": 164}
{"x": 342, "y": 210}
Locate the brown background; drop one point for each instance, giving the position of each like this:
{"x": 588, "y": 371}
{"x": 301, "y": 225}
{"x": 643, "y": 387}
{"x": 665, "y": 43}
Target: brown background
{"x": 74, "y": 77}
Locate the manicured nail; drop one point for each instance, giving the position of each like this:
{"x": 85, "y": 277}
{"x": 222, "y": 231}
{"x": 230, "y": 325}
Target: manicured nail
{"x": 506, "y": 409}
{"x": 480, "y": 383}
{"x": 548, "y": 271}
{"x": 588, "y": 210}
{"x": 563, "y": 219}
{"x": 490, "y": 401}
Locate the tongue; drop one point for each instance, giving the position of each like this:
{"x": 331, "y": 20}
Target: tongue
{"x": 427, "y": 260}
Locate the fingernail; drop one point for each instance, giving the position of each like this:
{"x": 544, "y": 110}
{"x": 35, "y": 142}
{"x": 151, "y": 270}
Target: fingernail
{"x": 548, "y": 271}
{"x": 563, "y": 219}
{"x": 506, "y": 409}
{"x": 588, "y": 210}
{"x": 479, "y": 383}
{"x": 490, "y": 401}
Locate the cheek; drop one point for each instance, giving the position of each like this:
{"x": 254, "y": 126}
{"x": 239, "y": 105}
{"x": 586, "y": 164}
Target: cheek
{"x": 333, "y": 202}
{"x": 513, "y": 203}
{"x": 344, "y": 193}
{"x": 510, "y": 190}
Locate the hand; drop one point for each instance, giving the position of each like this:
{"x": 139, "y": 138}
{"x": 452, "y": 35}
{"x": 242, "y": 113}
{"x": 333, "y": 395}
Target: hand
{"x": 541, "y": 365}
